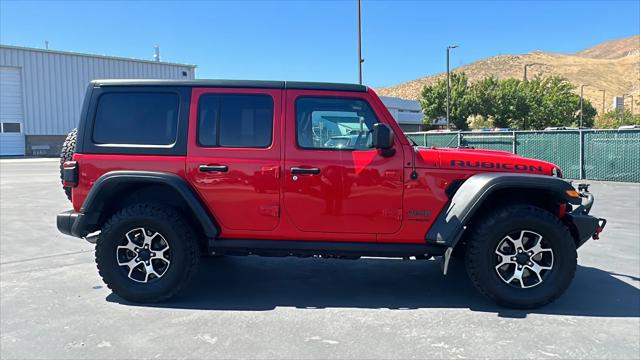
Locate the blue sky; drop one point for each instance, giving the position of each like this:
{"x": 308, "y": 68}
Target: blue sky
{"x": 314, "y": 40}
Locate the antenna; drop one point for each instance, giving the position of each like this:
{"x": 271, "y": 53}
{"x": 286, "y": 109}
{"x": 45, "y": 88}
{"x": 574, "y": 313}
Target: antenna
{"x": 46, "y": 44}
{"x": 156, "y": 56}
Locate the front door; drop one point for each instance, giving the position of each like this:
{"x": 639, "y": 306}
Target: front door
{"x": 334, "y": 182}
{"x": 234, "y": 155}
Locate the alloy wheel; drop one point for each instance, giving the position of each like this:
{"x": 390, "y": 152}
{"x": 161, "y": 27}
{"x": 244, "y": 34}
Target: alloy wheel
{"x": 523, "y": 259}
{"x": 144, "y": 255}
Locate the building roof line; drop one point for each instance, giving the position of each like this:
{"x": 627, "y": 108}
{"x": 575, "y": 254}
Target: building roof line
{"x": 96, "y": 56}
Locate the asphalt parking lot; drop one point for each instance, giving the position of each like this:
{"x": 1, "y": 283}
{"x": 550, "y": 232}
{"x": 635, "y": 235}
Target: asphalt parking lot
{"x": 54, "y": 305}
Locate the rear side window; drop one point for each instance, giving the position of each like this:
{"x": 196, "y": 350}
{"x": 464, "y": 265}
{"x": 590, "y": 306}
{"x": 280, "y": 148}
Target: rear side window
{"x": 136, "y": 118}
{"x": 226, "y": 120}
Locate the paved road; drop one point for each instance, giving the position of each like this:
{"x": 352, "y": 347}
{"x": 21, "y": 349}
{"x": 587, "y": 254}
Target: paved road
{"x": 54, "y": 305}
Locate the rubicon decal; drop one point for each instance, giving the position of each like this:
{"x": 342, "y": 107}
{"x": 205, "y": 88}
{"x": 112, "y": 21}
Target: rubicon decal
{"x": 494, "y": 165}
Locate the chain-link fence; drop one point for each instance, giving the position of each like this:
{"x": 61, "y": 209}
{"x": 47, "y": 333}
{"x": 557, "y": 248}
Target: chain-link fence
{"x": 581, "y": 154}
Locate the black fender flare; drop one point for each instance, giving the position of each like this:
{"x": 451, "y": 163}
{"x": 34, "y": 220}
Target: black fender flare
{"x": 103, "y": 189}
{"x": 450, "y": 224}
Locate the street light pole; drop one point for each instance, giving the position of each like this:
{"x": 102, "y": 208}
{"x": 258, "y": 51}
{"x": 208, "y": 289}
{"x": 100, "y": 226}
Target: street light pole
{"x": 631, "y": 96}
{"x": 525, "y": 69}
{"x": 581, "y": 96}
{"x": 449, "y": 81}
{"x": 360, "y": 59}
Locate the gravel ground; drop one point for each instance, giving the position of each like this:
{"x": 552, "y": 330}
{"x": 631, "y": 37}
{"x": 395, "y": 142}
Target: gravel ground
{"x": 54, "y": 305}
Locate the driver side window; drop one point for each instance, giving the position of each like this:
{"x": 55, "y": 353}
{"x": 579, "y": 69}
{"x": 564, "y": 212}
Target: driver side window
{"x": 334, "y": 123}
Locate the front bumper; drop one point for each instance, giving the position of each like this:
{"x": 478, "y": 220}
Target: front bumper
{"x": 585, "y": 226}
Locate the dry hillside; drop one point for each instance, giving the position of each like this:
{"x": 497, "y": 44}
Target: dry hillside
{"x": 613, "y": 49}
{"x": 613, "y": 66}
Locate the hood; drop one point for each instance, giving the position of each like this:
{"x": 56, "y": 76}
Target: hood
{"x": 481, "y": 161}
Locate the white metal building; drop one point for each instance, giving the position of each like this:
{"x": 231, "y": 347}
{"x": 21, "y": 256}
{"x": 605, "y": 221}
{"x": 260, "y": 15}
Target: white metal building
{"x": 41, "y": 92}
{"x": 407, "y": 113}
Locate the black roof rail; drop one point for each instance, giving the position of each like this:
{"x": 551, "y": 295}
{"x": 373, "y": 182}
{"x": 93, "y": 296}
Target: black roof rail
{"x": 259, "y": 84}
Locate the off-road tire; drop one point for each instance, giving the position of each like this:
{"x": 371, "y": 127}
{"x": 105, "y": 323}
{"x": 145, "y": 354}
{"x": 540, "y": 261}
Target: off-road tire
{"x": 485, "y": 237}
{"x": 185, "y": 255}
{"x": 66, "y": 154}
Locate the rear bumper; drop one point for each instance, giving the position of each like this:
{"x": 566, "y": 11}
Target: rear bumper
{"x": 70, "y": 223}
{"x": 65, "y": 221}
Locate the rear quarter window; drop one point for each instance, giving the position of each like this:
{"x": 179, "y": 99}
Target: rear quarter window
{"x": 234, "y": 120}
{"x": 136, "y": 118}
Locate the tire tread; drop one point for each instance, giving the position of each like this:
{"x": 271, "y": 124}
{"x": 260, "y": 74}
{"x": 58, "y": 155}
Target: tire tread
{"x": 164, "y": 214}
{"x": 482, "y": 231}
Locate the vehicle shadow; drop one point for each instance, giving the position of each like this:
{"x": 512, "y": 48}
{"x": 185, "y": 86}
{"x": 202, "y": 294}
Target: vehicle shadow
{"x": 259, "y": 284}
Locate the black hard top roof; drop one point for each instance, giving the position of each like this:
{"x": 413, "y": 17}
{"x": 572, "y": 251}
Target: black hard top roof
{"x": 234, "y": 83}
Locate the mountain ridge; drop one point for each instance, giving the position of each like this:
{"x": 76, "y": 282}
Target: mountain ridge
{"x": 613, "y": 66}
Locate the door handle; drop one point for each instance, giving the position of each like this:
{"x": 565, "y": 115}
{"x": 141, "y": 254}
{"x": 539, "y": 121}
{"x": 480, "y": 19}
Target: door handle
{"x": 310, "y": 171}
{"x": 212, "y": 168}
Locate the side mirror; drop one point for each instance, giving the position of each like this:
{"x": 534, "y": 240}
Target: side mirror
{"x": 382, "y": 139}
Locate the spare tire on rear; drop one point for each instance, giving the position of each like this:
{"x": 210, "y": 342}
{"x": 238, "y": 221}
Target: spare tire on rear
{"x": 66, "y": 154}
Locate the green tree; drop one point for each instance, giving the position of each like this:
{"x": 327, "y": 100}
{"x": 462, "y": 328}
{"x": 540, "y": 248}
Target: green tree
{"x": 479, "y": 122}
{"x": 433, "y": 101}
{"x": 512, "y": 105}
{"x": 614, "y": 119}
{"x": 553, "y": 102}
{"x": 589, "y": 115}
{"x": 482, "y": 97}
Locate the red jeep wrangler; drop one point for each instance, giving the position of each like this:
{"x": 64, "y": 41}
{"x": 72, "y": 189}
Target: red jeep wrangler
{"x": 161, "y": 172}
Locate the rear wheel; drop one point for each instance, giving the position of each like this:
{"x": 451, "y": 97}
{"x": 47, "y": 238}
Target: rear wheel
{"x": 66, "y": 154}
{"x": 521, "y": 257}
{"x": 146, "y": 253}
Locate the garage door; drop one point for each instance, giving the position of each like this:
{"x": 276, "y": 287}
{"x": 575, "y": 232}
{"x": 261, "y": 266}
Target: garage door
{"x": 11, "y": 112}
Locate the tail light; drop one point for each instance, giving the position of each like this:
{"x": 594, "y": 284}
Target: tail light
{"x": 70, "y": 173}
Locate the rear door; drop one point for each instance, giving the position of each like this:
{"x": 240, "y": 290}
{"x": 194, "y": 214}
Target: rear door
{"x": 234, "y": 155}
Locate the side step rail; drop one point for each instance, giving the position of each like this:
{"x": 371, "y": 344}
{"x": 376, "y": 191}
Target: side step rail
{"x": 311, "y": 248}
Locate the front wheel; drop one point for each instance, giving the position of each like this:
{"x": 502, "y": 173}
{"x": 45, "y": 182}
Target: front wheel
{"x": 146, "y": 253}
{"x": 521, "y": 257}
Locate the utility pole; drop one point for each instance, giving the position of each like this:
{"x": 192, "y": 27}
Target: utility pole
{"x": 449, "y": 81}
{"x": 525, "y": 69}
{"x": 603, "y": 95}
{"x": 581, "y": 96}
{"x": 631, "y": 96}
{"x": 360, "y": 59}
